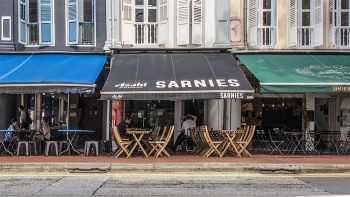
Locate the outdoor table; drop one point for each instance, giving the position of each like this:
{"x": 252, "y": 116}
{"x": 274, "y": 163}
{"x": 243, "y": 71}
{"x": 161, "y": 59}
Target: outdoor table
{"x": 295, "y": 140}
{"x": 3, "y": 139}
{"x": 73, "y": 137}
{"x": 137, "y": 136}
{"x": 228, "y": 136}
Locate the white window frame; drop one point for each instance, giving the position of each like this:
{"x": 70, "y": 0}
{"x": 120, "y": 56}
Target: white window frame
{"x": 256, "y": 28}
{"x": 26, "y": 21}
{"x": 316, "y": 24}
{"x": 336, "y": 30}
{"x": 79, "y": 15}
{"x": 2, "y": 28}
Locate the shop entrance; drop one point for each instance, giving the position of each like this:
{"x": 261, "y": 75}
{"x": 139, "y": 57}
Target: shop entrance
{"x": 325, "y": 114}
{"x": 196, "y": 108}
{"x": 148, "y": 114}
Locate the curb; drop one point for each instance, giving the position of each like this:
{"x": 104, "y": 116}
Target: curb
{"x": 175, "y": 167}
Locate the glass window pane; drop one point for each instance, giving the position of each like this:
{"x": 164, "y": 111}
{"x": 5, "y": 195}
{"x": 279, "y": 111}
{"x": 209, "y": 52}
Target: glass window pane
{"x": 306, "y": 19}
{"x": 152, "y": 3}
{"x": 344, "y": 19}
{"x": 267, "y": 18}
{"x": 305, "y": 4}
{"x": 6, "y": 28}
{"x": 267, "y": 4}
{"x": 152, "y": 15}
{"x": 33, "y": 11}
{"x": 139, "y": 15}
{"x": 88, "y": 6}
{"x": 139, "y": 2}
{"x": 344, "y": 4}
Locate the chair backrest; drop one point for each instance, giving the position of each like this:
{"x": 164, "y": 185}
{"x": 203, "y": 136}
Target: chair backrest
{"x": 248, "y": 133}
{"x": 163, "y": 136}
{"x": 116, "y": 135}
{"x": 170, "y": 134}
{"x": 156, "y": 133}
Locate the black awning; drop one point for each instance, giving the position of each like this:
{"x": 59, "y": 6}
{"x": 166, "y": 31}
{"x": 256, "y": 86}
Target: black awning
{"x": 175, "y": 77}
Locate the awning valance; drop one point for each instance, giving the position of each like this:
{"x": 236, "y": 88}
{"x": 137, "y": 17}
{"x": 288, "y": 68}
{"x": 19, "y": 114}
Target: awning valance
{"x": 300, "y": 72}
{"x": 175, "y": 77}
{"x": 49, "y": 73}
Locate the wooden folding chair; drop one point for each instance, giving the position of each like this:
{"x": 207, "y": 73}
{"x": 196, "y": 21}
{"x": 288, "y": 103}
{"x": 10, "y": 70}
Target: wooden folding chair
{"x": 122, "y": 144}
{"x": 160, "y": 144}
{"x": 245, "y": 140}
{"x": 213, "y": 143}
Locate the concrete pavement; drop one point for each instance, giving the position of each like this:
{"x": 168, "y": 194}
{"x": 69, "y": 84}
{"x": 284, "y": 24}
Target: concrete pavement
{"x": 178, "y": 163}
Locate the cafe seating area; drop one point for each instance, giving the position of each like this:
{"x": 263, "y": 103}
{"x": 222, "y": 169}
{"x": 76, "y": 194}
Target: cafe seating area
{"x": 295, "y": 142}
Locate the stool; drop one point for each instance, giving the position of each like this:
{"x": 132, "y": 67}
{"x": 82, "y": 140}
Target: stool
{"x": 62, "y": 143}
{"x": 90, "y": 144}
{"x": 47, "y": 147}
{"x": 26, "y": 145}
{"x": 34, "y": 147}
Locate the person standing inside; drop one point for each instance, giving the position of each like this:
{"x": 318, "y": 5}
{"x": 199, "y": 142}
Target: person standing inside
{"x": 23, "y": 118}
{"x": 122, "y": 126}
{"x": 189, "y": 123}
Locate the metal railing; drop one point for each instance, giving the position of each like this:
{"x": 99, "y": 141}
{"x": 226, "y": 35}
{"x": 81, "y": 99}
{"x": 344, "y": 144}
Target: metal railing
{"x": 146, "y": 33}
{"x": 305, "y": 37}
{"x": 32, "y": 34}
{"x": 266, "y": 36}
{"x": 86, "y": 33}
{"x": 342, "y": 36}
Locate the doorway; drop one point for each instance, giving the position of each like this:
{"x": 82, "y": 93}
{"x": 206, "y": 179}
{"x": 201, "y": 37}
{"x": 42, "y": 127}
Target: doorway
{"x": 325, "y": 114}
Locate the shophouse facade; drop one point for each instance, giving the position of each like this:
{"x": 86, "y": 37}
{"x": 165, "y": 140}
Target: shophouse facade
{"x": 164, "y": 57}
{"x": 52, "y": 61}
{"x": 297, "y": 49}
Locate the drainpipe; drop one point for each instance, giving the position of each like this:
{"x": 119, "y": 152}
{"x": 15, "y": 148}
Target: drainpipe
{"x": 245, "y": 24}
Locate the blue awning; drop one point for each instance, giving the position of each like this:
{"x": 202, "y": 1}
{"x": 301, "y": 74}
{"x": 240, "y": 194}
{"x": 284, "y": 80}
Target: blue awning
{"x": 49, "y": 73}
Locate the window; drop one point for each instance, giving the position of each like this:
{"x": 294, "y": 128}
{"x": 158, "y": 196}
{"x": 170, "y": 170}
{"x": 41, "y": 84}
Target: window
{"x": 80, "y": 22}
{"x": 36, "y": 22}
{"x": 262, "y": 23}
{"x": 145, "y": 22}
{"x": 339, "y": 29}
{"x": 305, "y": 23}
{"x": 6, "y": 28}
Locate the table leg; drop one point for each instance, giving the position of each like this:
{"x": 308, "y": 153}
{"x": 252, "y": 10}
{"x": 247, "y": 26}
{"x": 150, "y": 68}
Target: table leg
{"x": 70, "y": 144}
{"x": 3, "y": 145}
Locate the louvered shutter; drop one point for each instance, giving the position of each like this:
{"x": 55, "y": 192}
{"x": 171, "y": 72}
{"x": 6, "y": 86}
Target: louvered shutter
{"x": 331, "y": 24}
{"x": 23, "y": 23}
{"x": 163, "y": 30}
{"x": 318, "y": 26}
{"x": 73, "y": 24}
{"x": 253, "y": 23}
{"x": 183, "y": 23}
{"x": 274, "y": 21}
{"x": 292, "y": 24}
{"x": 197, "y": 18}
{"x": 45, "y": 22}
{"x": 127, "y": 25}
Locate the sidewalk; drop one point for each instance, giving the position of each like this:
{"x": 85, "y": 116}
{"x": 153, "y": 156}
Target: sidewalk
{"x": 178, "y": 163}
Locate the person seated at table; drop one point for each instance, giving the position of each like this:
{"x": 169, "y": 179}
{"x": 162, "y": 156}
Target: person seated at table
{"x": 9, "y": 136}
{"x": 189, "y": 123}
{"x": 44, "y": 133}
{"x": 122, "y": 126}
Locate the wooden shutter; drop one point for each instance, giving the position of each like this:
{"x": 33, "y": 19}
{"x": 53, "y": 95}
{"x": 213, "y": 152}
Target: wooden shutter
{"x": 45, "y": 22}
{"x": 253, "y": 23}
{"x": 73, "y": 24}
{"x": 127, "y": 24}
{"x": 183, "y": 23}
{"x": 23, "y": 23}
{"x": 331, "y": 24}
{"x": 292, "y": 24}
{"x": 197, "y": 18}
{"x": 318, "y": 25}
{"x": 163, "y": 30}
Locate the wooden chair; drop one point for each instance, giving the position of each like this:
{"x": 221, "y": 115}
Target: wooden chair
{"x": 245, "y": 140}
{"x": 158, "y": 145}
{"x": 122, "y": 144}
{"x": 213, "y": 143}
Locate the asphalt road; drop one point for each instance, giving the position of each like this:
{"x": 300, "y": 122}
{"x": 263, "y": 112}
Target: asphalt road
{"x": 173, "y": 184}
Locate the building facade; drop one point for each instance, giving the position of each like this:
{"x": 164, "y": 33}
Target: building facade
{"x": 55, "y": 38}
